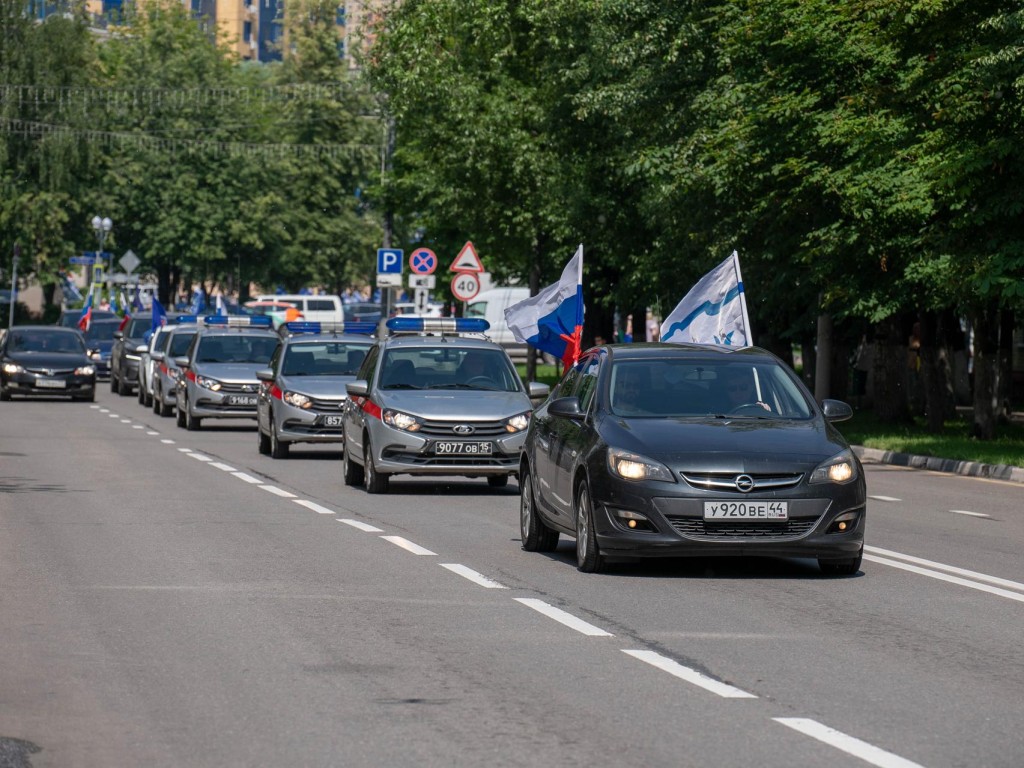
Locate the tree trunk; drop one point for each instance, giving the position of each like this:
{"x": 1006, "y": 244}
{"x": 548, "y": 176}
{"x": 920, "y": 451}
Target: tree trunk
{"x": 823, "y": 364}
{"x": 986, "y": 379}
{"x": 1004, "y": 367}
{"x": 936, "y": 370}
{"x": 890, "y": 372}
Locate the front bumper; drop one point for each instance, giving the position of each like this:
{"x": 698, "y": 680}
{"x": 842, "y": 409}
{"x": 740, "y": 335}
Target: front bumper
{"x": 397, "y": 452}
{"x": 316, "y": 425}
{"x": 206, "y": 404}
{"x": 27, "y": 383}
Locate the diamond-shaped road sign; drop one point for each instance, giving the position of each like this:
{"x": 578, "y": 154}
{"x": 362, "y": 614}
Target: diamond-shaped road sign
{"x": 129, "y": 261}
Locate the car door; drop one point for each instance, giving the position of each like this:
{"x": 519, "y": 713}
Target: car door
{"x": 571, "y": 436}
{"x": 265, "y": 392}
{"x": 354, "y": 415}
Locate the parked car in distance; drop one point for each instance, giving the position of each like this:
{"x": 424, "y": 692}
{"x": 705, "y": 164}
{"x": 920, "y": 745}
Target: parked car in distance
{"x": 45, "y": 360}
{"x": 675, "y": 450}
{"x": 303, "y": 390}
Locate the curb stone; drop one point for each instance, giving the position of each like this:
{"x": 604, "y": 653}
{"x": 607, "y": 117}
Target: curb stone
{"x": 953, "y": 466}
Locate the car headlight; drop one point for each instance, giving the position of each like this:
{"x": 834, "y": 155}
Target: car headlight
{"x": 85, "y": 370}
{"x": 841, "y": 469}
{"x": 297, "y": 399}
{"x": 208, "y": 383}
{"x": 517, "y": 423}
{"x": 633, "y": 466}
{"x": 399, "y": 420}
{"x": 11, "y": 368}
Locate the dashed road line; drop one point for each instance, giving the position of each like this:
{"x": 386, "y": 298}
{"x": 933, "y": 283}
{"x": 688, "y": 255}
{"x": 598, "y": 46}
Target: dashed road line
{"x": 314, "y": 506}
{"x": 476, "y": 578}
{"x": 247, "y": 478}
{"x": 223, "y": 467}
{"x": 200, "y": 457}
{"x": 185, "y": 450}
{"x": 165, "y": 441}
{"x": 151, "y": 433}
{"x": 138, "y": 426}
{"x": 699, "y": 679}
{"x": 968, "y": 513}
{"x": 362, "y": 526}
{"x": 407, "y": 545}
{"x": 277, "y": 491}
{"x": 563, "y": 617}
{"x": 848, "y": 744}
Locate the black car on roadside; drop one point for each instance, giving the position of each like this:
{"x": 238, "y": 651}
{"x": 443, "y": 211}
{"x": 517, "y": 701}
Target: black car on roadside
{"x": 676, "y": 450}
{"x": 45, "y": 360}
{"x": 130, "y": 341}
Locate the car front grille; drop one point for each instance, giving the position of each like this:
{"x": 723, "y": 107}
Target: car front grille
{"x": 51, "y": 371}
{"x": 321, "y": 405}
{"x": 437, "y": 428}
{"x": 727, "y": 481}
{"x": 239, "y": 389}
{"x": 698, "y": 528}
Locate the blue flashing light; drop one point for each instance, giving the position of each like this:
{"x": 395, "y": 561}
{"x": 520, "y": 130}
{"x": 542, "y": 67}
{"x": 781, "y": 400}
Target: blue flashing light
{"x": 186, "y": 319}
{"x": 305, "y": 326}
{"x": 438, "y": 325}
{"x": 365, "y": 328}
{"x": 302, "y": 326}
{"x": 254, "y": 321}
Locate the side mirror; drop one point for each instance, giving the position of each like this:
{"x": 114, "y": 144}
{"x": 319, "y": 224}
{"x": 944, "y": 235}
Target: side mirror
{"x": 567, "y": 407}
{"x": 118, "y": 335}
{"x": 265, "y": 374}
{"x": 357, "y": 388}
{"x": 141, "y": 347}
{"x": 537, "y": 390}
{"x": 158, "y": 356}
{"x": 181, "y": 362}
{"x": 836, "y": 410}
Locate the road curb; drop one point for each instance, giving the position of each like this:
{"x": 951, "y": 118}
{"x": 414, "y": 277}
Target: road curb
{"x": 953, "y": 466}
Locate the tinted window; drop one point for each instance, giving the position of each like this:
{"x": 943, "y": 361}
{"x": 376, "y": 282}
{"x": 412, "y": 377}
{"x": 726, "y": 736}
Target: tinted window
{"x": 178, "y": 344}
{"x": 320, "y": 305}
{"x": 329, "y": 358}
{"x": 238, "y": 348}
{"x": 102, "y": 330}
{"x": 448, "y": 368}
{"x": 45, "y": 341}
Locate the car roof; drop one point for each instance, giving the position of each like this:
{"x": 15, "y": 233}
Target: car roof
{"x": 650, "y": 349}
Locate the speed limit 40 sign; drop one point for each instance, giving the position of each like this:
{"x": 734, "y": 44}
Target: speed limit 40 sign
{"x": 465, "y": 285}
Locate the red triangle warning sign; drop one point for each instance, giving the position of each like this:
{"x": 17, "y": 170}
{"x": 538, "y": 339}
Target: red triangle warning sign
{"x": 467, "y": 260}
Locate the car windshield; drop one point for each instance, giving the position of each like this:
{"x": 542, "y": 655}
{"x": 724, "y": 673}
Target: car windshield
{"x": 329, "y": 358}
{"x": 46, "y": 341}
{"x": 238, "y": 348}
{"x": 137, "y": 326}
{"x": 659, "y": 387}
{"x": 448, "y": 368}
{"x": 178, "y": 343}
{"x": 102, "y": 330}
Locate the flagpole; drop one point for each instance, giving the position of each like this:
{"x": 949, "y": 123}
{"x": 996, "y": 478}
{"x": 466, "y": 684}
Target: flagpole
{"x": 743, "y": 299}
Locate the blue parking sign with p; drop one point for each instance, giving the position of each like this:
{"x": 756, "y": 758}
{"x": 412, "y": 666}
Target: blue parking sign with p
{"x": 389, "y": 261}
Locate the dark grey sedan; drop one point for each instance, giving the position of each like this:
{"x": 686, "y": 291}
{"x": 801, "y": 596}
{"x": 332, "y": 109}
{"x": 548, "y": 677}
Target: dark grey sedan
{"x": 670, "y": 450}
{"x": 45, "y": 360}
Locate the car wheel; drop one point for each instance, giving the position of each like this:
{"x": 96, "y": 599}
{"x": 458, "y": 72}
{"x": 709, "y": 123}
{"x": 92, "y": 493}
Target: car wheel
{"x": 497, "y": 481}
{"x": 588, "y": 558}
{"x": 192, "y": 423}
{"x": 122, "y": 387}
{"x": 278, "y": 450}
{"x": 142, "y": 395}
{"x": 181, "y": 416}
{"x": 846, "y": 567}
{"x": 537, "y": 537}
{"x": 263, "y": 442}
{"x": 353, "y": 473}
{"x": 157, "y": 404}
{"x": 375, "y": 481}
{"x": 113, "y": 384}
{"x": 5, "y": 394}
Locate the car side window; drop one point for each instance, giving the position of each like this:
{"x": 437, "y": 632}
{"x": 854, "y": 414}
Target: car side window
{"x": 369, "y": 363}
{"x": 589, "y": 369}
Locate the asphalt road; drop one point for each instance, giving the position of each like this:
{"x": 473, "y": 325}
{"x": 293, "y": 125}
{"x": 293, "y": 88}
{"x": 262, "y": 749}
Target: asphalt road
{"x": 173, "y": 598}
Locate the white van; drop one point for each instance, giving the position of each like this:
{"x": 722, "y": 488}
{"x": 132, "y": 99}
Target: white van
{"x": 323, "y": 308}
{"x": 491, "y": 306}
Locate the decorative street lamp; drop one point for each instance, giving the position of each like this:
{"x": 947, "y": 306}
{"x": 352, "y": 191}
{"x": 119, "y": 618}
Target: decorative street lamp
{"x": 102, "y": 227}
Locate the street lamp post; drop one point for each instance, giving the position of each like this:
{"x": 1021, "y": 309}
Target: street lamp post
{"x": 102, "y": 227}
{"x": 14, "y": 283}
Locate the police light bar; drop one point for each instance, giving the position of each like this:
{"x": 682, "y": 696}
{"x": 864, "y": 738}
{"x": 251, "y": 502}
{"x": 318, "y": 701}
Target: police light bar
{"x": 437, "y": 325}
{"x": 257, "y": 321}
{"x": 186, "y": 319}
{"x": 306, "y": 326}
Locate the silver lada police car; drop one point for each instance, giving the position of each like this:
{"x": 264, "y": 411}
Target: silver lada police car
{"x": 303, "y": 390}
{"x": 436, "y": 397}
{"x": 218, "y": 374}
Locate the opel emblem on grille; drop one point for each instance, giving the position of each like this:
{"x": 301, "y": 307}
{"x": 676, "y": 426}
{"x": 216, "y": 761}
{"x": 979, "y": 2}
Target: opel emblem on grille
{"x": 463, "y": 429}
{"x": 744, "y": 483}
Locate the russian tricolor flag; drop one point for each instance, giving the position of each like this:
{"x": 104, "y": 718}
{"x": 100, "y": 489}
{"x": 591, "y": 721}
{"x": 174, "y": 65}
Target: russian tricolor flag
{"x": 86, "y": 318}
{"x": 552, "y": 321}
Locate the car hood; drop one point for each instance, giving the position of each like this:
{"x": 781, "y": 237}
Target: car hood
{"x": 453, "y": 404}
{"x": 55, "y": 360}
{"x": 235, "y": 373}
{"x": 726, "y": 445}
{"x": 325, "y": 387}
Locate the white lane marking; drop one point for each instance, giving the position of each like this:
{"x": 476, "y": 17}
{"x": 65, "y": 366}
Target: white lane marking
{"x": 126, "y": 421}
{"x": 867, "y": 752}
{"x": 247, "y": 478}
{"x": 277, "y": 491}
{"x": 884, "y": 498}
{"x": 94, "y": 407}
{"x": 562, "y": 617}
{"x": 676, "y": 669}
{"x": 200, "y": 457}
{"x": 185, "y": 450}
{"x": 476, "y": 578}
{"x": 362, "y": 526}
{"x": 945, "y": 577}
{"x": 949, "y": 568}
{"x": 966, "y": 512}
{"x": 314, "y": 506}
{"x": 165, "y": 441}
{"x": 407, "y": 545}
{"x": 138, "y": 426}
{"x": 104, "y": 410}
{"x": 224, "y": 467}
{"x": 151, "y": 432}
{"x": 115, "y": 415}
